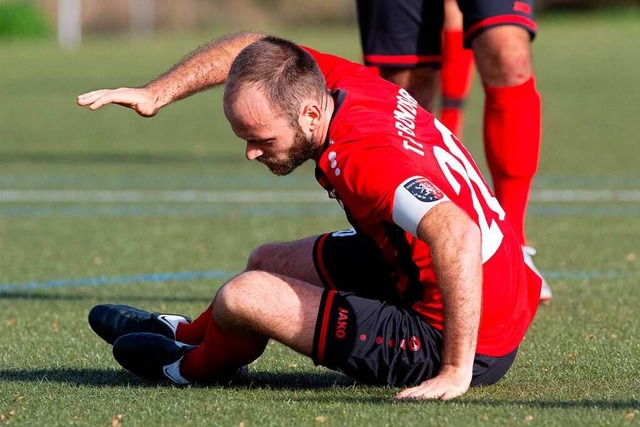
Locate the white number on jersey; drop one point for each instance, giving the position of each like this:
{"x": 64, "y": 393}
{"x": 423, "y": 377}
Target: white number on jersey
{"x": 455, "y": 160}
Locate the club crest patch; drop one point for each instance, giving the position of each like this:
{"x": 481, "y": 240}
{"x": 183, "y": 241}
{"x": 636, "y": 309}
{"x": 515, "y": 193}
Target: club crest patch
{"x": 423, "y": 189}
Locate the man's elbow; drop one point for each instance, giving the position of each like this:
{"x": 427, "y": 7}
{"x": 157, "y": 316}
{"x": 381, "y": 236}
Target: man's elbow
{"x": 470, "y": 234}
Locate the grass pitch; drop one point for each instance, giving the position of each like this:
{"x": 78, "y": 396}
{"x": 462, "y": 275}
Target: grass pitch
{"x": 90, "y": 212}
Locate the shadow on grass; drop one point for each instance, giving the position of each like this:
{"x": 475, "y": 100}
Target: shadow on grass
{"x": 93, "y": 377}
{"x": 539, "y": 404}
{"x": 284, "y": 381}
{"x": 118, "y": 377}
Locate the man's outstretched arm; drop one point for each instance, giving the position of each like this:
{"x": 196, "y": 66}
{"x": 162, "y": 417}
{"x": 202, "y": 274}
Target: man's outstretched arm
{"x": 202, "y": 69}
{"x": 456, "y": 249}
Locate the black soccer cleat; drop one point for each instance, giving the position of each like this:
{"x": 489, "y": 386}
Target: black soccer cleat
{"x": 157, "y": 358}
{"x": 111, "y": 321}
{"x": 151, "y": 356}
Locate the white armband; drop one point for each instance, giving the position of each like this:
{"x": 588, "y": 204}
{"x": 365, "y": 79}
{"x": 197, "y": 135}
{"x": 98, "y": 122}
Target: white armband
{"x": 413, "y": 198}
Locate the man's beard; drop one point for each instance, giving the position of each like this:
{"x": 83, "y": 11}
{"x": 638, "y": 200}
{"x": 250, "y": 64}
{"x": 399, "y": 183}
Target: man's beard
{"x": 303, "y": 149}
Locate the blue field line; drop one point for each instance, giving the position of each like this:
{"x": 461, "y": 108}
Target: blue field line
{"x": 116, "y": 280}
{"x": 219, "y": 274}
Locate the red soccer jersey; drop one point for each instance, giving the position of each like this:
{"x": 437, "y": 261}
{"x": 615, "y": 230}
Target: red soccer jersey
{"x": 389, "y": 162}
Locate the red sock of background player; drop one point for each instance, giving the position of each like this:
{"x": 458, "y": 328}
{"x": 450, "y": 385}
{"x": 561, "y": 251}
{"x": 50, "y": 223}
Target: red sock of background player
{"x": 193, "y": 333}
{"x": 219, "y": 350}
{"x": 512, "y": 146}
{"x": 457, "y": 69}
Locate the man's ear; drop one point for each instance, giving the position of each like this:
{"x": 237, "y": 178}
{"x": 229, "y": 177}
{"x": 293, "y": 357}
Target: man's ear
{"x": 311, "y": 115}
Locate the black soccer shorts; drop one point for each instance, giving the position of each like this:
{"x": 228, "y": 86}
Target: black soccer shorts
{"x": 407, "y": 33}
{"x": 365, "y": 331}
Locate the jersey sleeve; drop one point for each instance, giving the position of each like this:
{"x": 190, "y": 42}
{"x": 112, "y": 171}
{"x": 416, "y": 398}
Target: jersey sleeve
{"x": 380, "y": 183}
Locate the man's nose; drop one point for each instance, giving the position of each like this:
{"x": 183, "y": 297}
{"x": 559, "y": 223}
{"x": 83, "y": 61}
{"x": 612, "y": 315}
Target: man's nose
{"x": 253, "y": 152}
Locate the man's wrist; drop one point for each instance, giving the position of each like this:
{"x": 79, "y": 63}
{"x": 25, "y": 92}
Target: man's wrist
{"x": 458, "y": 370}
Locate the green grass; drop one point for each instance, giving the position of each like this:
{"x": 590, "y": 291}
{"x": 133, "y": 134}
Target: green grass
{"x": 577, "y": 366}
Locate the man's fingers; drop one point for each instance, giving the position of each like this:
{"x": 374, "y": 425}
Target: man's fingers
{"x": 99, "y": 98}
{"x": 90, "y": 97}
{"x": 108, "y": 98}
{"x": 422, "y": 391}
{"x": 429, "y": 390}
{"x": 136, "y": 99}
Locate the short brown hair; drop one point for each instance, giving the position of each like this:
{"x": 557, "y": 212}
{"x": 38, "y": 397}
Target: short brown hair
{"x": 285, "y": 72}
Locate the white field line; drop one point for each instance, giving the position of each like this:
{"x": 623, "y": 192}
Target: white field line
{"x": 267, "y": 196}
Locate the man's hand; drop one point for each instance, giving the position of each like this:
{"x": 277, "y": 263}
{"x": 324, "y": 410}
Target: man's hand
{"x": 202, "y": 69}
{"x": 449, "y": 383}
{"x": 142, "y": 100}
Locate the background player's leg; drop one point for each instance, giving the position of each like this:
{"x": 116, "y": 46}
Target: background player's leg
{"x": 457, "y": 69}
{"x": 422, "y": 83}
{"x": 403, "y": 39}
{"x": 512, "y": 123}
{"x": 512, "y": 116}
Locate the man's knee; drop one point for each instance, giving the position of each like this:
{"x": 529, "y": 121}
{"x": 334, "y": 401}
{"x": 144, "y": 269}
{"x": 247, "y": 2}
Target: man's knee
{"x": 234, "y": 297}
{"x": 503, "y": 56}
{"x": 260, "y": 258}
{"x": 291, "y": 259}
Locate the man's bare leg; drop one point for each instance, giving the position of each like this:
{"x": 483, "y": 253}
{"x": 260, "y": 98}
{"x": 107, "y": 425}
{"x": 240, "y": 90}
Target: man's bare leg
{"x": 422, "y": 83}
{"x": 250, "y": 309}
{"x": 292, "y": 259}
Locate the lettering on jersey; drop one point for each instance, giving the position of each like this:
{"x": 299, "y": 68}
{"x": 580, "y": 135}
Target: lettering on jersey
{"x": 405, "y": 117}
{"x": 341, "y": 325}
{"x": 423, "y": 189}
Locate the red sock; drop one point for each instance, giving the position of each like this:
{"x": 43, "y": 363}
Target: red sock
{"x": 193, "y": 333}
{"x": 457, "y": 70}
{"x": 218, "y": 351}
{"x": 512, "y": 146}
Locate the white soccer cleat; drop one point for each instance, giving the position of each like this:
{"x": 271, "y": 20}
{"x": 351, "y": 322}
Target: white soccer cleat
{"x": 545, "y": 290}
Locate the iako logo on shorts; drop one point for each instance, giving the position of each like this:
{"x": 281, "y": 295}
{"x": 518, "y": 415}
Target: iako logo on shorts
{"x": 424, "y": 190}
{"x": 341, "y": 324}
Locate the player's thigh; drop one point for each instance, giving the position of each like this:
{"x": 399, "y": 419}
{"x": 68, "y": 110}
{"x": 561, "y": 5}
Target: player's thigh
{"x": 402, "y": 34}
{"x": 503, "y": 56}
{"x": 292, "y": 259}
{"x": 421, "y": 82}
{"x": 375, "y": 342}
{"x": 481, "y": 15}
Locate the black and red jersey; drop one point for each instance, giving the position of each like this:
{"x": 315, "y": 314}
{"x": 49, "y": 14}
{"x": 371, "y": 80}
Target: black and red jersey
{"x": 388, "y": 162}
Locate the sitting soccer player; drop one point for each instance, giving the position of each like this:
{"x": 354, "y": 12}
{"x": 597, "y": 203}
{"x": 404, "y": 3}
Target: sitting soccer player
{"x": 429, "y": 290}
